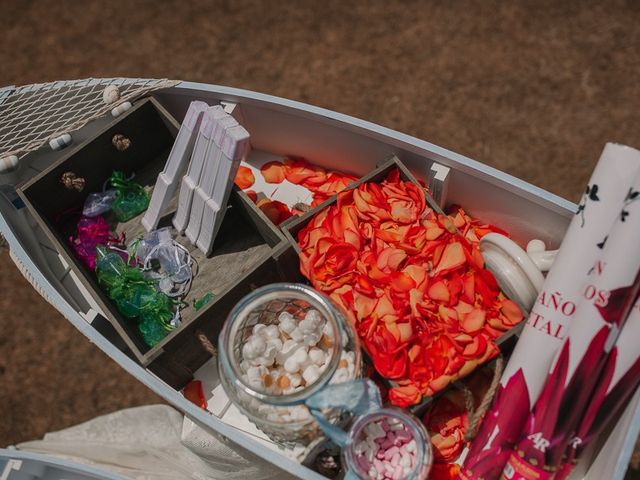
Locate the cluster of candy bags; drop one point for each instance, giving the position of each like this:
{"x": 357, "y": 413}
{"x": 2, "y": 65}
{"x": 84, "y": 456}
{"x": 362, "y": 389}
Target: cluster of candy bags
{"x": 139, "y": 289}
{"x": 135, "y": 295}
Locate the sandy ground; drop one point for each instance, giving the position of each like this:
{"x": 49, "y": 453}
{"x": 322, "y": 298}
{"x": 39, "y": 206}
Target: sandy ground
{"x": 532, "y": 88}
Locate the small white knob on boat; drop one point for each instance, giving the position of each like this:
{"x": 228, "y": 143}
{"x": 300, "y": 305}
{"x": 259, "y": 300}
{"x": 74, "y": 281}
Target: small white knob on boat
{"x": 120, "y": 109}
{"x": 60, "y": 142}
{"x": 110, "y": 94}
{"x": 8, "y": 163}
{"x": 516, "y": 272}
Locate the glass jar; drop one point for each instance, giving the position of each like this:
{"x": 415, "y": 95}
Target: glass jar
{"x": 281, "y": 344}
{"x": 376, "y": 432}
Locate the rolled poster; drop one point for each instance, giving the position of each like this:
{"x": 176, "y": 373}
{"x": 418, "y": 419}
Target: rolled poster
{"x": 582, "y": 363}
{"x": 548, "y": 322}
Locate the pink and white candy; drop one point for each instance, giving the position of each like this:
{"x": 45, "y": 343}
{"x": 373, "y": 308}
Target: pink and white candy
{"x": 386, "y": 450}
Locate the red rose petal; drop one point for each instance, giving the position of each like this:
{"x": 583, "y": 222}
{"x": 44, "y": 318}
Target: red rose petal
{"x": 252, "y": 195}
{"x": 275, "y": 211}
{"x": 194, "y": 392}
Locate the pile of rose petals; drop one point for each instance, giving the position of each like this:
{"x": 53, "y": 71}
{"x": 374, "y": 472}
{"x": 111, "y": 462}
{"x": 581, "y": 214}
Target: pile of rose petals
{"x": 413, "y": 283}
{"x": 447, "y": 421}
{"x": 321, "y": 183}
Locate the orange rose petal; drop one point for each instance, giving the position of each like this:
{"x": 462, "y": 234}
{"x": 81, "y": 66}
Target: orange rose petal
{"x": 406, "y": 331}
{"x": 498, "y": 324}
{"x": 473, "y": 321}
{"x": 438, "y": 291}
{"x": 452, "y": 258}
{"x": 512, "y": 312}
{"x": 244, "y": 177}
{"x": 463, "y": 308}
{"x": 402, "y": 282}
{"x": 273, "y": 172}
{"x": 476, "y": 348}
{"x": 405, "y": 396}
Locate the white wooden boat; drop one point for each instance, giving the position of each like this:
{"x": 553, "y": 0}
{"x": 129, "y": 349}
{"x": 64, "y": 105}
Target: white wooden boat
{"x": 333, "y": 140}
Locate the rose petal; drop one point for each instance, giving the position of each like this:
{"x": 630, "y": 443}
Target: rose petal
{"x": 438, "y": 291}
{"x": 402, "y": 282}
{"x": 512, "y": 312}
{"x": 273, "y": 172}
{"x": 194, "y": 392}
{"x": 244, "y": 177}
{"x": 275, "y": 211}
{"x": 452, "y": 258}
{"x": 473, "y": 321}
{"x": 405, "y": 396}
{"x": 252, "y": 195}
{"x": 476, "y": 348}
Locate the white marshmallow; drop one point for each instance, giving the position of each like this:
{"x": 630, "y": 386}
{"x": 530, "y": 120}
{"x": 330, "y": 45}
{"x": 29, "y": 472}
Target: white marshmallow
{"x": 301, "y": 355}
{"x": 297, "y": 335}
{"x": 314, "y": 316}
{"x": 327, "y": 330}
{"x": 288, "y": 348}
{"x": 411, "y": 446}
{"x": 274, "y": 343}
{"x": 308, "y": 325}
{"x": 258, "y": 328}
{"x": 254, "y": 347}
{"x": 341, "y": 376}
{"x": 254, "y": 377}
{"x": 311, "y": 374}
{"x": 297, "y": 361}
{"x": 256, "y": 372}
{"x": 317, "y": 356}
{"x": 291, "y": 366}
{"x": 295, "y": 380}
{"x": 286, "y": 322}
{"x": 271, "y": 332}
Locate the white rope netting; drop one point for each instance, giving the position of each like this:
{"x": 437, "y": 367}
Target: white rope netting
{"x": 33, "y": 114}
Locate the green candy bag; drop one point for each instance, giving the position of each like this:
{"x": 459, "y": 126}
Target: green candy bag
{"x": 131, "y": 198}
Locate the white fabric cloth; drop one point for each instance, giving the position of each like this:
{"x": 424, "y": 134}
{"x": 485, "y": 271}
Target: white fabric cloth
{"x": 145, "y": 443}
